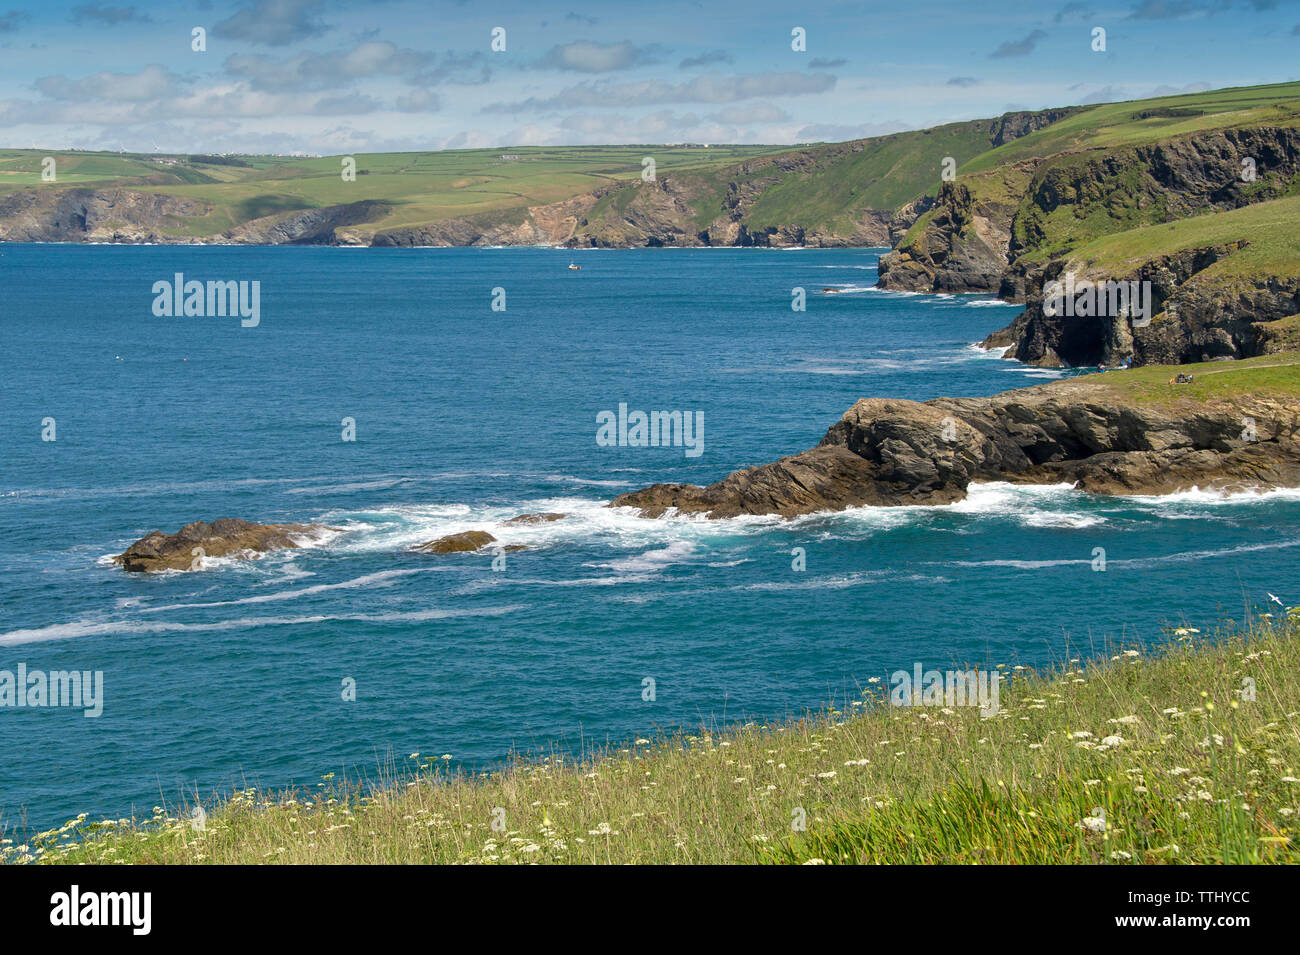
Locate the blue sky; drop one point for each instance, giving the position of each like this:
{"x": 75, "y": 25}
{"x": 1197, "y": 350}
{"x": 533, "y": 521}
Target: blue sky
{"x": 324, "y": 76}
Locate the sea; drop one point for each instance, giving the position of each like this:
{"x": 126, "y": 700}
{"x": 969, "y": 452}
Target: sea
{"x": 397, "y": 396}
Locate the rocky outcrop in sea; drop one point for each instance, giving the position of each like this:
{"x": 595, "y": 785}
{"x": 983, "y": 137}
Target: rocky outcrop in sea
{"x": 227, "y": 537}
{"x": 890, "y": 452}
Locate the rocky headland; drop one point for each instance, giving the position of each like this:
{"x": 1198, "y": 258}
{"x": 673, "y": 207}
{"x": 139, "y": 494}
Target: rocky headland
{"x": 1118, "y": 433}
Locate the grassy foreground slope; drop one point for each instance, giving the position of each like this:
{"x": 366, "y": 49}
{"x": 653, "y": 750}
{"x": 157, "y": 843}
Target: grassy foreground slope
{"x": 1190, "y": 755}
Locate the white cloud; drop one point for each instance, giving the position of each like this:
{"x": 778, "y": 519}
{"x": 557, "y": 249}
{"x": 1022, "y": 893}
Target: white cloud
{"x": 586, "y": 57}
{"x": 708, "y": 88}
{"x": 273, "y": 22}
{"x": 326, "y": 70}
{"x": 152, "y": 82}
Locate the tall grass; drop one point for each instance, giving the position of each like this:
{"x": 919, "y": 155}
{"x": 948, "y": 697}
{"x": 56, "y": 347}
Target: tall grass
{"x": 1167, "y": 758}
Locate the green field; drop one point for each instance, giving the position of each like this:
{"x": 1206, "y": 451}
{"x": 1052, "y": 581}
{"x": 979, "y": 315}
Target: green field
{"x": 1136, "y": 122}
{"x": 421, "y": 187}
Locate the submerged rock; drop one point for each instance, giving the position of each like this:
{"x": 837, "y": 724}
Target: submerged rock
{"x": 887, "y": 452}
{"x": 457, "y": 543}
{"x": 463, "y": 542}
{"x": 543, "y": 517}
{"x": 228, "y": 537}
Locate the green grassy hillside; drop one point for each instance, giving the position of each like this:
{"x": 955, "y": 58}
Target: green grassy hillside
{"x": 882, "y": 173}
{"x": 826, "y": 188}
{"x": 422, "y": 187}
{"x": 1074, "y": 140}
{"x": 1135, "y": 122}
{"x": 1268, "y": 231}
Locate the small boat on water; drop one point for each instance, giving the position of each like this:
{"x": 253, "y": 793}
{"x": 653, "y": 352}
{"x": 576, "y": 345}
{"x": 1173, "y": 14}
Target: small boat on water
{"x": 574, "y": 268}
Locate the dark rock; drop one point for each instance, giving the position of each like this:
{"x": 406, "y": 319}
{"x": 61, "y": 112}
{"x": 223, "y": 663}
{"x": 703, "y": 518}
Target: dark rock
{"x": 457, "y": 543}
{"x": 93, "y": 215}
{"x": 228, "y": 537}
{"x": 543, "y": 517}
{"x": 1191, "y": 321}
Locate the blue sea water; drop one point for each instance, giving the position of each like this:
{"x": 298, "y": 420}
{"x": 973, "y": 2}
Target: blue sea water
{"x": 465, "y": 417}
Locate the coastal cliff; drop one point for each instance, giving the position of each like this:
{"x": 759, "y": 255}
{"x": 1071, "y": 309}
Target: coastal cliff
{"x": 864, "y": 192}
{"x": 1176, "y": 214}
{"x": 995, "y": 231}
{"x": 1231, "y": 428}
{"x": 93, "y": 215}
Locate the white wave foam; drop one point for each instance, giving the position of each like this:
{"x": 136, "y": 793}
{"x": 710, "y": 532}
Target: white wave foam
{"x": 88, "y": 628}
{"x": 1062, "y": 520}
{"x": 1021, "y": 564}
{"x": 1031, "y": 505}
{"x": 287, "y": 573}
{"x": 352, "y": 486}
{"x": 1195, "y": 555}
{"x": 1135, "y": 562}
{"x": 380, "y": 579}
{"x": 588, "y": 482}
{"x": 841, "y": 581}
{"x": 835, "y": 365}
{"x": 848, "y": 290}
{"x": 586, "y": 521}
{"x": 172, "y": 487}
{"x": 1214, "y": 497}
{"x": 677, "y": 552}
{"x": 981, "y": 352}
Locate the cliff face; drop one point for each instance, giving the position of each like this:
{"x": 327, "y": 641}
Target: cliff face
{"x": 663, "y": 212}
{"x": 552, "y": 224}
{"x": 887, "y": 452}
{"x": 1014, "y": 125}
{"x": 1193, "y": 321}
{"x": 90, "y": 215}
{"x": 125, "y": 216}
{"x": 963, "y": 246}
{"x": 1014, "y": 246}
{"x": 309, "y": 227}
{"x": 995, "y": 235}
{"x": 671, "y": 210}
